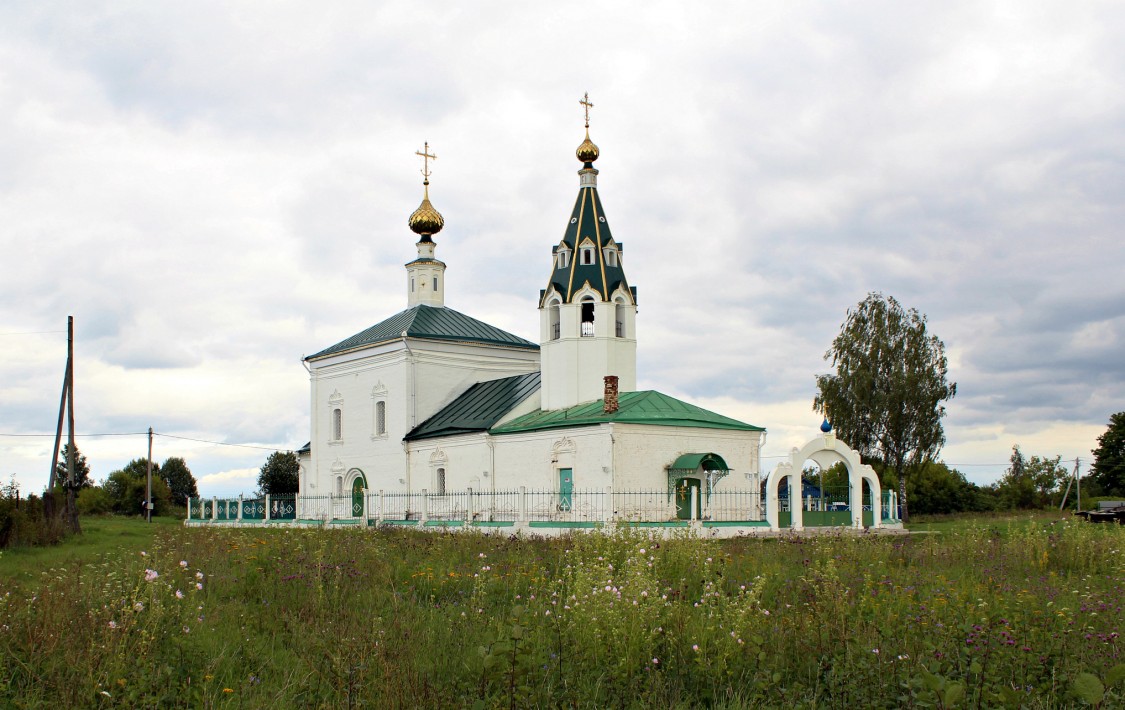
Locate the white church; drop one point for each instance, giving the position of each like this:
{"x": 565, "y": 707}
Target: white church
{"x": 431, "y": 399}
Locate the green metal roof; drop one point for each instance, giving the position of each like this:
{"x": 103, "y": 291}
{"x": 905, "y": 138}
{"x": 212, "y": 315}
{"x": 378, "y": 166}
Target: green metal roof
{"x": 648, "y": 407}
{"x": 587, "y": 221}
{"x": 438, "y": 323}
{"x": 690, "y": 462}
{"x": 478, "y": 408}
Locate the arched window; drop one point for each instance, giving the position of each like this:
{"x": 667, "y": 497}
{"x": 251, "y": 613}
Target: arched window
{"x": 619, "y": 320}
{"x": 439, "y": 482}
{"x": 587, "y": 319}
{"x": 587, "y": 255}
{"x": 381, "y": 417}
{"x": 610, "y": 256}
{"x": 564, "y": 257}
{"x": 554, "y": 322}
{"x": 337, "y": 424}
{"x": 435, "y": 284}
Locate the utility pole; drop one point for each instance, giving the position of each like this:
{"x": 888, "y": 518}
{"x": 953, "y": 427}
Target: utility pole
{"x": 66, "y": 406}
{"x": 1076, "y": 479}
{"x": 148, "y": 494}
{"x": 71, "y": 503}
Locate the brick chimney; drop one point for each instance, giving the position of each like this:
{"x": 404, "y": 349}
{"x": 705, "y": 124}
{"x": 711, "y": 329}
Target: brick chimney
{"x": 610, "y": 405}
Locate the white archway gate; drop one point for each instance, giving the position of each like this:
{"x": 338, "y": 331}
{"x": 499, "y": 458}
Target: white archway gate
{"x": 825, "y": 451}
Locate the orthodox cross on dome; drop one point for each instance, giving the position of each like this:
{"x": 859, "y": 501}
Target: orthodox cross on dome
{"x": 427, "y": 156}
{"x": 586, "y": 107}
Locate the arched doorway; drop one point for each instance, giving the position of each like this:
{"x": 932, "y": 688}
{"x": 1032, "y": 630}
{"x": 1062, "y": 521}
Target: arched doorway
{"x": 359, "y": 487}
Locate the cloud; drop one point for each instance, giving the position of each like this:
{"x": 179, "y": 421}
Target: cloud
{"x": 214, "y": 192}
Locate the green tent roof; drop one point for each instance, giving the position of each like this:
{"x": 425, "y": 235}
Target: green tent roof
{"x": 478, "y": 408}
{"x": 434, "y": 322}
{"x": 587, "y": 222}
{"x": 648, "y": 407}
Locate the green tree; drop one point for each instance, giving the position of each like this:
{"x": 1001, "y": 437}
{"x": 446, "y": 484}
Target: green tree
{"x": 181, "y": 483}
{"x": 937, "y": 489}
{"x": 278, "y": 474}
{"x": 81, "y": 469}
{"x": 885, "y": 399}
{"x": 1031, "y": 483}
{"x": 1108, "y": 470}
{"x": 127, "y": 488}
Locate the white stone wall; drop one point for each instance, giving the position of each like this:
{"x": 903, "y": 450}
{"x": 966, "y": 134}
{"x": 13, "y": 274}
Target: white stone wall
{"x": 415, "y": 379}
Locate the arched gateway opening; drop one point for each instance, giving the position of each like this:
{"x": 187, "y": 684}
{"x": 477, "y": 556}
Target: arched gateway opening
{"x": 862, "y": 502}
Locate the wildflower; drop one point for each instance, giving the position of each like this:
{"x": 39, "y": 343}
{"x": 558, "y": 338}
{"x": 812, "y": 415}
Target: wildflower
{"x": 642, "y": 550}
{"x": 179, "y": 594}
{"x": 228, "y": 690}
{"x": 187, "y": 630}
{"x": 138, "y": 607}
{"x": 199, "y": 586}
{"x": 875, "y": 651}
{"x": 183, "y": 563}
{"x": 144, "y": 554}
{"x": 695, "y": 647}
{"x": 112, "y": 624}
{"x": 199, "y": 575}
{"x": 766, "y": 612}
{"x": 151, "y": 574}
{"x": 656, "y": 661}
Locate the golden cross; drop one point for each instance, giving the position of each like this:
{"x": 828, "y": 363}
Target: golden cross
{"x": 427, "y": 156}
{"x": 586, "y": 103}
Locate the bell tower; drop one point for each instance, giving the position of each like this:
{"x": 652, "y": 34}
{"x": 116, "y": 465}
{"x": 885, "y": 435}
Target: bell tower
{"x": 587, "y": 313}
{"x": 426, "y": 275}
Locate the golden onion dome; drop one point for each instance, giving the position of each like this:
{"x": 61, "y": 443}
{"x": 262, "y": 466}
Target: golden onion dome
{"x": 587, "y": 152}
{"x": 426, "y": 220}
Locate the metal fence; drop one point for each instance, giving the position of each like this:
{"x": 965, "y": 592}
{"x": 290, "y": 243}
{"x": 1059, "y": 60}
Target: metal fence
{"x": 518, "y": 505}
{"x": 515, "y": 505}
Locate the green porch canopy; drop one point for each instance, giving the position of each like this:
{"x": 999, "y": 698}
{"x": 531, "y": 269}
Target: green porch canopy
{"x": 690, "y": 462}
{"x": 686, "y": 465}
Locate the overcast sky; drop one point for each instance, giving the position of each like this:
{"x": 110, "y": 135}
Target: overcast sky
{"x": 215, "y": 189}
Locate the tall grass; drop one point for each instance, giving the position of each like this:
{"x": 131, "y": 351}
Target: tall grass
{"x": 1018, "y": 614}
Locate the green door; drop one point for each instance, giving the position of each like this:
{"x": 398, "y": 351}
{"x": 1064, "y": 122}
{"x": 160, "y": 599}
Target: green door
{"x": 566, "y": 488}
{"x": 683, "y": 497}
{"x": 357, "y": 496}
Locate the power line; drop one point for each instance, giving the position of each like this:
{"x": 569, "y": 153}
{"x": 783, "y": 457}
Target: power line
{"x": 217, "y": 443}
{"x": 145, "y": 433}
{"x": 130, "y": 433}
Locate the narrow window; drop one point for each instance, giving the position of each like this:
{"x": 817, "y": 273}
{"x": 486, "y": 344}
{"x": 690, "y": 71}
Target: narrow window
{"x": 587, "y": 255}
{"x": 611, "y": 256}
{"x": 412, "y": 285}
{"x": 339, "y": 485}
{"x": 337, "y": 424}
{"x": 381, "y": 417}
{"x": 564, "y": 258}
{"x": 435, "y": 283}
{"x": 554, "y": 321}
{"x": 439, "y": 484}
{"x": 588, "y": 319}
{"x": 620, "y": 320}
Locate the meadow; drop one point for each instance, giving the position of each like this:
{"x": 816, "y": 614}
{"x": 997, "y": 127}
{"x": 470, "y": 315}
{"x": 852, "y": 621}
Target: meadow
{"x": 1020, "y": 612}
